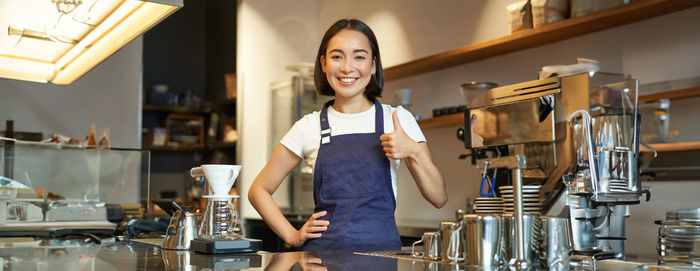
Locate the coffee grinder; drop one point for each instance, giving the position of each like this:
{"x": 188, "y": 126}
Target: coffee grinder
{"x": 220, "y": 230}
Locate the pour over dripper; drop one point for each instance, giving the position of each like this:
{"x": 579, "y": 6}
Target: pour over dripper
{"x": 220, "y": 177}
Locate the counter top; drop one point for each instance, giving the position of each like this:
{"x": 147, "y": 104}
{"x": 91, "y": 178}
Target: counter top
{"x": 130, "y": 255}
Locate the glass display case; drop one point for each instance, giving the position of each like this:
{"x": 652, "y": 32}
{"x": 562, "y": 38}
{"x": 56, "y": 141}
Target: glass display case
{"x": 49, "y": 186}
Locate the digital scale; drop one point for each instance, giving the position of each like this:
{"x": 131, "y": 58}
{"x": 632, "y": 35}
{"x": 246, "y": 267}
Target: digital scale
{"x": 243, "y": 245}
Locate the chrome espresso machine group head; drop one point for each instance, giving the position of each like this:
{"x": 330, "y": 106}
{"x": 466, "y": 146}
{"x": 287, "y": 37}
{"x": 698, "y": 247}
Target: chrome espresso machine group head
{"x": 579, "y": 138}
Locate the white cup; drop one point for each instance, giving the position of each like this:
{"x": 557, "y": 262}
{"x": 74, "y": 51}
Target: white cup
{"x": 404, "y": 96}
{"x": 221, "y": 177}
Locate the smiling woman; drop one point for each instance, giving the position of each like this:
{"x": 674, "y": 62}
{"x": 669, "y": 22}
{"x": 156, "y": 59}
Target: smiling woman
{"x": 354, "y": 145}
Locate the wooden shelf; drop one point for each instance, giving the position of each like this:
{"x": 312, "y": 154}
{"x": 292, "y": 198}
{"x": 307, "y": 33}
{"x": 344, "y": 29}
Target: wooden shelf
{"x": 172, "y": 148}
{"x": 671, "y": 147}
{"x": 442, "y": 121}
{"x": 558, "y": 31}
{"x": 673, "y": 94}
{"x": 226, "y": 106}
{"x": 176, "y": 109}
{"x": 219, "y": 146}
{"x": 227, "y": 102}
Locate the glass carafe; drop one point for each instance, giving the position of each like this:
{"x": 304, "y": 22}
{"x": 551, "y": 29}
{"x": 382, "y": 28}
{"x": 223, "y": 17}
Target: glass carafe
{"x": 220, "y": 221}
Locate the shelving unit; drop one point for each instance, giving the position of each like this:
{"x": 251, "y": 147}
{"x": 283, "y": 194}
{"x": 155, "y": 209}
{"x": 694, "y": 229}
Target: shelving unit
{"x": 458, "y": 118}
{"x": 224, "y": 108}
{"x": 558, "y": 31}
{"x": 158, "y": 115}
{"x": 442, "y": 121}
{"x": 573, "y": 27}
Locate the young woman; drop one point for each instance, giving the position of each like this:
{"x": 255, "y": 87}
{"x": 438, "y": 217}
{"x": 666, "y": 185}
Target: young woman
{"x": 355, "y": 144}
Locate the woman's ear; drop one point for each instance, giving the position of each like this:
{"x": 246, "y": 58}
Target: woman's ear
{"x": 322, "y": 59}
{"x": 374, "y": 65}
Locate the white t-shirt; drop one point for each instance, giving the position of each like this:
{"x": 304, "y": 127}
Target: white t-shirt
{"x": 304, "y": 138}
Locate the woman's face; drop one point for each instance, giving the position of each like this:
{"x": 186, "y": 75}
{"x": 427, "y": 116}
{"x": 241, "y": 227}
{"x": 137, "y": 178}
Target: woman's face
{"x": 348, "y": 63}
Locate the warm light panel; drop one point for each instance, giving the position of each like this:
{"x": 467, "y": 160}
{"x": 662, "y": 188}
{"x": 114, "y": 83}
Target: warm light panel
{"x": 26, "y": 58}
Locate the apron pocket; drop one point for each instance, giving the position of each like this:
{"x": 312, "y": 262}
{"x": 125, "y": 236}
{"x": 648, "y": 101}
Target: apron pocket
{"x": 349, "y": 179}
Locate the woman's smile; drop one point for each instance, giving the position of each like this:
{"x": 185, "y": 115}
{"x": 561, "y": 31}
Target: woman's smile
{"x": 348, "y": 80}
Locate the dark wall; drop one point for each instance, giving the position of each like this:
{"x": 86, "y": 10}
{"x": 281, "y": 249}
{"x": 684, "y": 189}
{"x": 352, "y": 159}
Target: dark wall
{"x": 221, "y": 45}
{"x": 192, "y": 49}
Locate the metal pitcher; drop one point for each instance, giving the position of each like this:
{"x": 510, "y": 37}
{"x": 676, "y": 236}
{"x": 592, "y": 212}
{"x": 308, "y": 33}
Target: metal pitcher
{"x": 482, "y": 239}
{"x": 431, "y": 246}
{"x": 450, "y": 237}
{"x": 182, "y": 230}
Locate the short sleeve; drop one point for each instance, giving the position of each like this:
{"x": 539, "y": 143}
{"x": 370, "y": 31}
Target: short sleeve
{"x": 294, "y": 139}
{"x": 410, "y": 125}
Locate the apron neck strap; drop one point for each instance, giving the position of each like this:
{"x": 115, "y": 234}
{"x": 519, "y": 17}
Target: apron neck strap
{"x": 378, "y": 117}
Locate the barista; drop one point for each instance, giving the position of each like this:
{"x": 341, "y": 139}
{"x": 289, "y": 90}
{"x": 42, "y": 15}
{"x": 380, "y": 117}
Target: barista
{"x": 355, "y": 144}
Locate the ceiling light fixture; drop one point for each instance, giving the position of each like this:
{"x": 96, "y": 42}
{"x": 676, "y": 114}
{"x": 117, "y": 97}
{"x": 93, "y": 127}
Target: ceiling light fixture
{"x": 126, "y": 21}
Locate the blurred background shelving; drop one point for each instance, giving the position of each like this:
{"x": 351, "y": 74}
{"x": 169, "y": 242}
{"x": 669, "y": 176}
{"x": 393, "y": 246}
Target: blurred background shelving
{"x": 189, "y": 109}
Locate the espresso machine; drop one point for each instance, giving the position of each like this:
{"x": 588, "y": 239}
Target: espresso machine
{"x": 576, "y": 137}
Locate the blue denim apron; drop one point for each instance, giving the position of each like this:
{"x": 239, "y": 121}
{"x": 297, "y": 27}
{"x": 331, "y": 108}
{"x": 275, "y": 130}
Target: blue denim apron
{"x": 352, "y": 182}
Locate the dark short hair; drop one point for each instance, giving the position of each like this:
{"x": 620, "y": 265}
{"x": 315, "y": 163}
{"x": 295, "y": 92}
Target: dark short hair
{"x": 376, "y": 82}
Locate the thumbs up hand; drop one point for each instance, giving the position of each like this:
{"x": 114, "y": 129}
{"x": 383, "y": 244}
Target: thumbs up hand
{"x": 397, "y": 144}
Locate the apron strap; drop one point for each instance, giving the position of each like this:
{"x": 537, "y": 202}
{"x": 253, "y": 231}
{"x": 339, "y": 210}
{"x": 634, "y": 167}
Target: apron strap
{"x": 326, "y": 128}
{"x": 378, "y": 117}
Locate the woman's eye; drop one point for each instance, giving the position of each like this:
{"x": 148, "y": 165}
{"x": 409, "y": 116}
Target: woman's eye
{"x": 360, "y": 57}
{"x": 336, "y": 57}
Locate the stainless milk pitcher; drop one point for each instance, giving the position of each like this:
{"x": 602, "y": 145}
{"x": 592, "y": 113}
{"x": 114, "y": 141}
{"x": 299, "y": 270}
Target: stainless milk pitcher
{"x": 532, "y": 231}
{"x": 450, "y": 235}
{"x": 482, "y": 239}
{"x": 556, "y": 243}
{"x": 431, "y": 246}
